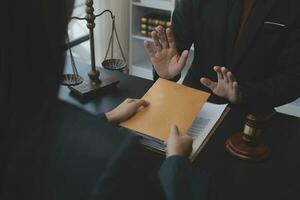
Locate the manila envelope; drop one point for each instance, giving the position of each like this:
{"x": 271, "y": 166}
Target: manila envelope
{"x": 170, "y": 103}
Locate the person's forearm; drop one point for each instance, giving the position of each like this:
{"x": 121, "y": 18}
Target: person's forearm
{"x": 180, "y": 182}
{"x": 109, "y": 116}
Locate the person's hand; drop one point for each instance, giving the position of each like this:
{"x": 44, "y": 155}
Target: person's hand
{"x": 178, "y": 145}
{"x": 226, "y": 87}
{"x": 125, "y": 110}
{"x": 165, "y": 58}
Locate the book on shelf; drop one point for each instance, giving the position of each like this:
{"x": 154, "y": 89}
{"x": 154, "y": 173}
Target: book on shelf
{"x": 150, "y": 21}
{"x": 172, "y": 103}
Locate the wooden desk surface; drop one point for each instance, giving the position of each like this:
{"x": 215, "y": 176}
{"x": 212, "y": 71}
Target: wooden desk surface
{"x": 230, "y": 178}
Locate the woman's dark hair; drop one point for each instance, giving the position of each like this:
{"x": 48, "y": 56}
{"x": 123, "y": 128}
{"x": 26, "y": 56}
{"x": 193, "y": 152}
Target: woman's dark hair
{"x": 31, "y": 62}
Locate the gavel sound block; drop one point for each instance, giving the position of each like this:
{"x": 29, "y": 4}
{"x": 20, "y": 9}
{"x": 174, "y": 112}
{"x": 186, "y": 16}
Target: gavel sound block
{"x": 249, "y": 145}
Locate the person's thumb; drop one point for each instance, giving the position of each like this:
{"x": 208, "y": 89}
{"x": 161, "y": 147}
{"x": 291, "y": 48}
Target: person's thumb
{"x": 174, "y": 131}
{"x": 208, "y": 83}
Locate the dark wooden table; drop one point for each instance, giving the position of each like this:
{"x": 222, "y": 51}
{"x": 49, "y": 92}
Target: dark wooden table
{"x": 276, "y": 178}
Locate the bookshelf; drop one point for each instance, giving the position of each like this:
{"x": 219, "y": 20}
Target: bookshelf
{"x": 139, "y": 62}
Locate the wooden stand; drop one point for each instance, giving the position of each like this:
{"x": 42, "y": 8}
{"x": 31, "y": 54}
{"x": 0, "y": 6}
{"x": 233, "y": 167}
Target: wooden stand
{"x": 89, "y": 88}
{"x": 249, "y": 144}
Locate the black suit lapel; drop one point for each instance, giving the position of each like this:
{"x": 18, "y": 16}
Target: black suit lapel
{"x": 256, "y": 19}
{"x": 233, "y": 25}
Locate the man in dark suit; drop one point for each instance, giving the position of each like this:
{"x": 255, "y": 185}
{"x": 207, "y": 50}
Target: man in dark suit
{"x": 257, "y": 42}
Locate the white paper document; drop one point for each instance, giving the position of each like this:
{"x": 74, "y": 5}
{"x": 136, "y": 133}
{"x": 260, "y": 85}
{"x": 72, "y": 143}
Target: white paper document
{"x": 202, "y": 126}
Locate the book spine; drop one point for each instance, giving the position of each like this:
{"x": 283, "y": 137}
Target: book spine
{"x": 144, "y": 33}
{"x": 144, "y": 27}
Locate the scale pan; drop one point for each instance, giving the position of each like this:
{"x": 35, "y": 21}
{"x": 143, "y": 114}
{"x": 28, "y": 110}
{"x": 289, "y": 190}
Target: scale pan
{"x": 114, "y": 64}
{"x": 71, "y": 79}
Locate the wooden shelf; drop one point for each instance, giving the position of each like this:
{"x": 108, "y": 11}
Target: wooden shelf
{"x": 142, "y": 69}
{"x": 155, "y": 4}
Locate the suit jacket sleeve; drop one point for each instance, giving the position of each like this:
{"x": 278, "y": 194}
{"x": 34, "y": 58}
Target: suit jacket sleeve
{"x": 103, "y": 117}
{"x": 284, "y": 86}
{"x": 180, "y": 182}
{"x": 182, "y": 26}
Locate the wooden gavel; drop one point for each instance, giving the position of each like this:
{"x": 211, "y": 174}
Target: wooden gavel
{"x": 249, "y": 145}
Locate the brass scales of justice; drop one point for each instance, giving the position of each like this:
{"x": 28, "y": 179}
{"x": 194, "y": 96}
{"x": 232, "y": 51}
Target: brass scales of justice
{"x": 96, "y": 82}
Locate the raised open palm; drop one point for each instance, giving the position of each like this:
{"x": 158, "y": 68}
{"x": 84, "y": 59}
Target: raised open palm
{"x": 165, "y": 58}
{"x": 226, "y": 87}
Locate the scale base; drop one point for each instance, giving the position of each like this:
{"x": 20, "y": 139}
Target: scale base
{"x": 91, "y": 88}
{"x": 240, "y": 149}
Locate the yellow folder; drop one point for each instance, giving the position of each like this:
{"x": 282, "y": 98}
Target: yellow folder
{"x": 170, "y": 103}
